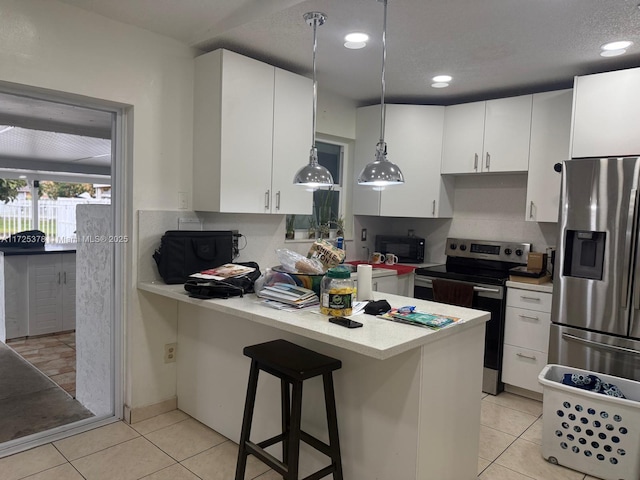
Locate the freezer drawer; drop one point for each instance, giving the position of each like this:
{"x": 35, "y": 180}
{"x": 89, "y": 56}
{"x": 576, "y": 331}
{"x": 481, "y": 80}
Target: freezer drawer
{"x": 593, "y": 351}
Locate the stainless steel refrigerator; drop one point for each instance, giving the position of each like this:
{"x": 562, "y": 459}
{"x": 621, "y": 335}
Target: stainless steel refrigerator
{"x": 596, "y": 290}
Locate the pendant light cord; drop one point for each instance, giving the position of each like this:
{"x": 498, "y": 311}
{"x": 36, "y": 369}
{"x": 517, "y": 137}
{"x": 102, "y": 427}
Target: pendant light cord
{"x": 314, "y": 153}
{"x": 384, "y": 58}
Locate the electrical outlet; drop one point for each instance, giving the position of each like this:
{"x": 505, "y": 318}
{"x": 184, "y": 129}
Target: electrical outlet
{"x": 363, "y": 235}
{"x": 183, "y": 201}
{"x": 170, "y": 352}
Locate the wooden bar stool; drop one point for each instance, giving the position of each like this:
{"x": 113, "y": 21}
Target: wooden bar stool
{"x": 292, "y": 364}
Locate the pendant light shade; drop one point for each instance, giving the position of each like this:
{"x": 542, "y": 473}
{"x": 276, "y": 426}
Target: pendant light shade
{"x": 314, "y": 175}
{"x": 381, "y": 172}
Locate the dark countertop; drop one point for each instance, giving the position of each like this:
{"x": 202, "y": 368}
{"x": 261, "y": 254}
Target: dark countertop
{"x": 49, "y": 248}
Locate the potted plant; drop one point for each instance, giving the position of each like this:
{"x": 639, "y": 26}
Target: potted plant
{"x": 339, "y": 223}
{"x": 290, "y": 232}
{"x": 311, "y": 231}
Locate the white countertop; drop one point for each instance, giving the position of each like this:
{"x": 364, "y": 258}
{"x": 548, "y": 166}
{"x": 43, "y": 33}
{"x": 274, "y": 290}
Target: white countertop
{"x": 545, "y": 287}
{"x": 378, "y": 338}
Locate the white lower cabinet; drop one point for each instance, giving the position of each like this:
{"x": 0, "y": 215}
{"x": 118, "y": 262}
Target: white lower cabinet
{"x": 16, "y": 296}
{"x": 52, "y": 293}
{"x": 526, "y": 337}
{"x": 386, "y": 284}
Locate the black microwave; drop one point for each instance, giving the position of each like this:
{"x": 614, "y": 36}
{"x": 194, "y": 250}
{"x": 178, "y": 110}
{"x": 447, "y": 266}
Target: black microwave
{"x": 407, "y": 249}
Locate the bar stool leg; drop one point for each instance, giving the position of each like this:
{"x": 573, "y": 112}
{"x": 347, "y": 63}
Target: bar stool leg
{"x": 286, "y": 419}
{"x": 332, "y": 424}
{"x": 294, "y": 432}
{"x": 247, "y": 418}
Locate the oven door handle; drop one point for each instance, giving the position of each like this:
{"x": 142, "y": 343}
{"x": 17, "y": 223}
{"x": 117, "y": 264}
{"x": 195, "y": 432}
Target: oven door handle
{"x": 485, "y": 289}
{"x": 427, "y": 282}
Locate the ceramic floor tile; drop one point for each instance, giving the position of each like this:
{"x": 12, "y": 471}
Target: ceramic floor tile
{"x": 174, "y": 472}
{"x": 498, "y": 472}
{"x": 185, "y": 439}
{"x": 219, "y": 463}
{"x": 505, "y": 419}
{"x": 130, "y": 460}
{"x": 55, "y": 367}
{"x": 95, "y": 440}
{"x": 270, "y": 475}
{"x": 493, "y": 442}
{"x": 482, "y": 464}
{"x": 534, "y": 432}
{"x": 516, "y": 402}
{"x": 159, "y": 421}
{"x": 30, "y": 462}
{"x": 64, "y": 379}
{"x": 525, "y": 457}
{"x": 62, "y": 472}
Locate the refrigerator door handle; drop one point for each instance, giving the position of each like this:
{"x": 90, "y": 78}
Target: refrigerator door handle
{"x": 606, "y": 346}
{"x": 628, "y": 242}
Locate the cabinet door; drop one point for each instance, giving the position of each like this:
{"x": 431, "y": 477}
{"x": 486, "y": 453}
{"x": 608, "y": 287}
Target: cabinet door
{"x": 16, "y": 296}
{"x": 68, "y": 291}
{"x": 606, "y": 115}
{"x": 292, "y": 119}
{"x": 414, "y": 139}
{"x": 507, "y": 131}
{"x": 463, "y": 138}
{"x": 388, "y": 284}
{"x": 550, "y": 133}
{"x": 366, "y": 200}
{"x": 45, "y": 294}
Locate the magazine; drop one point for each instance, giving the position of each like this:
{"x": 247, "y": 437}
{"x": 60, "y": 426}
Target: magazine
{"x": 289, "y": 294}
{"x": 223, "y": 271}
{"x": 429, "y": 320}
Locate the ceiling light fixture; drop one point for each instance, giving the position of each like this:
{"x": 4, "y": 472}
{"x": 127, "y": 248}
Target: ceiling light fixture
{"x": 381, "y": 172}
{"x": 619, "y": 45}
{"x": 314, "y": 175}
{"x": 356, "y": 40}
{"x": 440, "y": 85}
{"x": 442, "y": 78}
{"x": 613, "y": 53}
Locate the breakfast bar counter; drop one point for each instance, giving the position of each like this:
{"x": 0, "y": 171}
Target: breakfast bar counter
{"x": 408, "y": 398}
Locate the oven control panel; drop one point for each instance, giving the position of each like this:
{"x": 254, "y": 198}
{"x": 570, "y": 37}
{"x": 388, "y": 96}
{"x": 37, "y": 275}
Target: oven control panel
{"x": 488, "y": 250}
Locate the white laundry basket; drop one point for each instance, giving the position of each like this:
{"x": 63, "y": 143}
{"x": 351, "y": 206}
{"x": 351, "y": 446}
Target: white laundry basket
{"x": 590, "y": 432}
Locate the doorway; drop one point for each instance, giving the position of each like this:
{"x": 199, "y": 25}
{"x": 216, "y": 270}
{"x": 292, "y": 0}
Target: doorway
{"x": 60, "y": 141}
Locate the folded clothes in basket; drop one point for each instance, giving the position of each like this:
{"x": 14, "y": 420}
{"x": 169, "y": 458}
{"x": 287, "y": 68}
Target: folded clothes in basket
{"x": 591, "y": 383}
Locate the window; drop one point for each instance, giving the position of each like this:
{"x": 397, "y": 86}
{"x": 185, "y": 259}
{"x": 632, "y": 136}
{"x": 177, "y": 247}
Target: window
{"x": 328, "y": 204}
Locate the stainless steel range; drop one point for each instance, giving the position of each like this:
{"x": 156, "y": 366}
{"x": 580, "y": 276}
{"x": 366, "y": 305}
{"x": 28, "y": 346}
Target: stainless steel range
{"x": 484, "y": 265}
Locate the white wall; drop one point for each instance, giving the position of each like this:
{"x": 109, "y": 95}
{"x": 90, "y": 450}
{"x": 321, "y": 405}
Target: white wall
{"x": 51, "y": 45}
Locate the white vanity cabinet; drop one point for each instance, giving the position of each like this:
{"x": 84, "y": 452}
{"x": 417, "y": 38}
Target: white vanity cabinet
{"x": 488, "y": 136}
{"x": 526, "y": 337}
{"x": 606, "y": 114}
{"x": 550, "y": 139}
{"x": 252, "y": 132}
{"x": 413, "y": 134}
{"x": 52, "y": 293}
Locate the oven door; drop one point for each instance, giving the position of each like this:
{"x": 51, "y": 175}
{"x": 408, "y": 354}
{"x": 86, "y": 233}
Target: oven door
{"x": 490, "y": 298}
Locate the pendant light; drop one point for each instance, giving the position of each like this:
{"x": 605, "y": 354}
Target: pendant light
{"x": 381, "y": 172}
{"x": 314, "y": 175}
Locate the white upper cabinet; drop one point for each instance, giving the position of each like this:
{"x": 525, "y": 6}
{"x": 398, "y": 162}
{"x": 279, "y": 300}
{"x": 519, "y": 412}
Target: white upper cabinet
{"x": 490, "y": 136}
{"x": 413, "y": 134}
{"x": 252, "y": 132}
{"x": 550, "y": 132}
{"x": 606, "y": 114}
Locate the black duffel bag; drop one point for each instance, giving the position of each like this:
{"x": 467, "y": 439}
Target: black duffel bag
{"x": 229, "y": 287}
{"x": 185, "y": 252}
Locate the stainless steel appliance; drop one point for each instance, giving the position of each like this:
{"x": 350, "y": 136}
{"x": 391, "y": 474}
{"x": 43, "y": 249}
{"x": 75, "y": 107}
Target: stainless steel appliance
{"x": 485, "y": 265}
{"x": 596, "y": 296}
{"x": 408, "y": 249}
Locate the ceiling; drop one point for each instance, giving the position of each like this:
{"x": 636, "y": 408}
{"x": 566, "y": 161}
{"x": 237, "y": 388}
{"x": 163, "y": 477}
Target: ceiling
{"x": 492, "y": 48}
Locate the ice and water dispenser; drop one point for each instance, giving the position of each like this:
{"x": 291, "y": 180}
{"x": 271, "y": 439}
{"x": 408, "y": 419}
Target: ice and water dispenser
{"x": 584, "y": 254}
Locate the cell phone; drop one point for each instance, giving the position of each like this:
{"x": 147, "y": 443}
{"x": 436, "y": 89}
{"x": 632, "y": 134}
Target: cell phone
{"x": 345, "y": 322}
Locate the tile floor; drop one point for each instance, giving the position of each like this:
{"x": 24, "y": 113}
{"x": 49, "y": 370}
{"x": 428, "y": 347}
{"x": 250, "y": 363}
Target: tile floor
{"x": 173, "y": 446}
{"x": 53, "y": 355}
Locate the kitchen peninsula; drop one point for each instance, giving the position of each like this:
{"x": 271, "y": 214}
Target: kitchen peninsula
{"x": 408, "y": 398}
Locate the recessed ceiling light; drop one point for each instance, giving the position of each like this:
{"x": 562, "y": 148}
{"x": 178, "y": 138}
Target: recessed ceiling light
{"x": 356, "y": 40}
{"x": 22, "y": 177}
{"x": 439, "y": 85}
{"x": 442, "y": 78}
{"x": 613, "y": 53}
{"x": 620, "y": 45}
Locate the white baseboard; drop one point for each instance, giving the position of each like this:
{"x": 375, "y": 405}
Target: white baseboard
{"x": 138, "y": 414}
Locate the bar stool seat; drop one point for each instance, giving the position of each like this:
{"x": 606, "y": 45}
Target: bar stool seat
{"x": 292, "y": 364}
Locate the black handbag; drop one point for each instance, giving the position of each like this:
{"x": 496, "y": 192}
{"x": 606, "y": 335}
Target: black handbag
{"x": 229, "y": 287}
{"x": 185, "y": 252}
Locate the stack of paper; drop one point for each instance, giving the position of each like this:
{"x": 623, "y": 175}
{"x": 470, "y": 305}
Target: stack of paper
{"x": 289, "y": 295}
{"x": 429, "y": 320}
{"x": 224, "y": 271}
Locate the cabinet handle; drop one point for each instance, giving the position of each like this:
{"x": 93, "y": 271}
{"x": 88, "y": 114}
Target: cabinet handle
{"x": 58, "y": 278}
{"x": 522, "y": 355}
{"x": 278, "y": 200}
{"x": 375, "y": 286}
{"x": 266, "y": 199}
{"x": 475, "y": 163}
{"x": 65, "y": 278}
{"x": 530, "y": 317}
{"x": 535, "y": 299}
{"x": 531, "y": 209}
{"x": 433, "y": 211}
{"x": 488, "y": 161}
